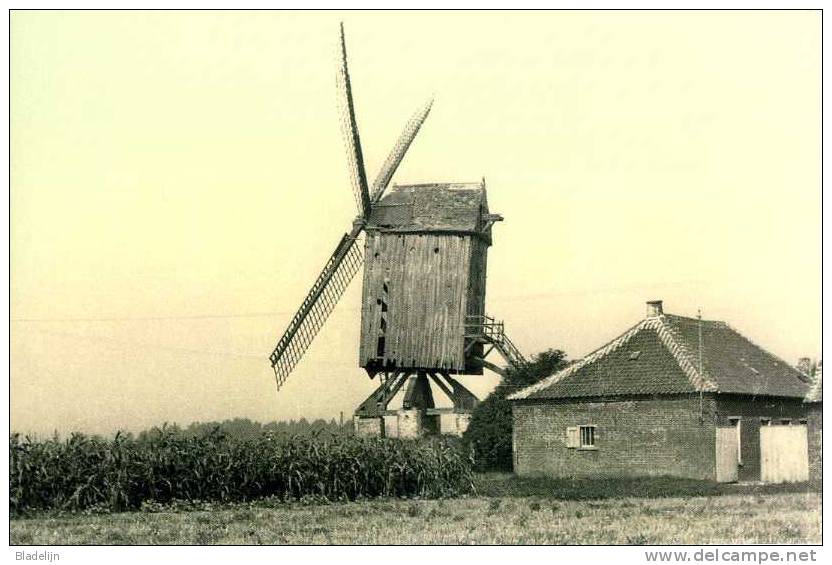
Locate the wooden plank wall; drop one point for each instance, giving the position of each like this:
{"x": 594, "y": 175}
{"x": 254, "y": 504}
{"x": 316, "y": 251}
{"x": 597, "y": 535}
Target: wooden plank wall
{"x": 427, "y": 278}
{"x": 476, "y": 298}
{"x": 783, "y": 454}
{"x": 476, "y": 277}
{"x": 726, "y": 454}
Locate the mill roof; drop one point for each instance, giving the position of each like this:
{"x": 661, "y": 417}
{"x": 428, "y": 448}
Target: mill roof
{"x": 456, "y": 207}
{"x": 660, "y": 355}
{"x": 815, "y": 393}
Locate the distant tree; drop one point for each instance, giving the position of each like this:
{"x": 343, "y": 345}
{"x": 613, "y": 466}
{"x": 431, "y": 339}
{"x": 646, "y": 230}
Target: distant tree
{"x": 241, "y": 428}
{"x": 489, "y": 432}
{"x": 156, "y": 431}
{"x": 245, "y": 429}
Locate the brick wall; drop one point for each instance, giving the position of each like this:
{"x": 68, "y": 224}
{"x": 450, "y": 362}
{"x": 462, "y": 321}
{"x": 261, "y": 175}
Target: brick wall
{"x": 367, "y": 427}
{"x": 751, "y": 410}
{"x": 647, "y": 436}
{"x": 634, "y": 437}
{"x": 454, "y": 424}
{"x": 815, "y": 418}
{"x": 410, "y": 423}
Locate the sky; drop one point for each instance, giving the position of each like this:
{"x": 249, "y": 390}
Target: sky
{"x": 178, "y": 179}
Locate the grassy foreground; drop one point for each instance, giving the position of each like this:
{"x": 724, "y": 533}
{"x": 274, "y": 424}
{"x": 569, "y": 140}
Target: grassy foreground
{"x": 505, "y": 511}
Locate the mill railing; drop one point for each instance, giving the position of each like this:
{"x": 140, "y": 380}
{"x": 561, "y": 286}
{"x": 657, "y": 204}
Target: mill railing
{"x": 485, "y": 329}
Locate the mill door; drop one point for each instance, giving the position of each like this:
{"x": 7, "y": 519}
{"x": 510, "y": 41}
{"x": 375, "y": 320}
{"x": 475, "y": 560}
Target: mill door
{"x": 727, "y": 448}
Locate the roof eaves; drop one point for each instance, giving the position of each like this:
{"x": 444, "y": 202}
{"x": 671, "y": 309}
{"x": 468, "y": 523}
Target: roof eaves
{"x": 803, "y": 376}
{"x": 592, "y": 357}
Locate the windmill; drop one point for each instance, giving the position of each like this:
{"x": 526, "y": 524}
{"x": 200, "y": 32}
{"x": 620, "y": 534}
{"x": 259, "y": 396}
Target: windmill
{"x": 423, "y": 317}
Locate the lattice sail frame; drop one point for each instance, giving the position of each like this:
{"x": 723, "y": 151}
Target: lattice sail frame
{"x": 347, "y": 258}
{"x": 352, "y": 140}
{"x": 396, "y": 155}
{"x": 317, "y": 306}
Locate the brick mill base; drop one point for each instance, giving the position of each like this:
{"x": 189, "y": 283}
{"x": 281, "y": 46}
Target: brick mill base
{"x": 412, "y": 423}
{"x": 365, "y": 427}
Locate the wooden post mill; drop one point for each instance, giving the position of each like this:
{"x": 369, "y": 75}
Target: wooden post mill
{"x": 423, "y": 318}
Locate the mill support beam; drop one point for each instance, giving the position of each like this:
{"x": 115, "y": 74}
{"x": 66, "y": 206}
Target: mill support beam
{"x": 418, "y": 415}
{"x": 441, "y": 384}
{"x": 489, "y": 365}
{"x": 418, "y": 394}
{"x": 369, "y": 417}
{"x": 413, "y": 419}
{"x": 463, "y": 399}
{"x": 376, "y": 404}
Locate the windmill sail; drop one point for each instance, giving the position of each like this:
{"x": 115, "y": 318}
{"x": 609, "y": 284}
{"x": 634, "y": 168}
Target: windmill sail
{"x": 347, "y": 257}
{"x": 316, "y": 307}
{"x": 349, "y": 128}
{"x": 339, "y": 270}
{"x": 399, "y": 149}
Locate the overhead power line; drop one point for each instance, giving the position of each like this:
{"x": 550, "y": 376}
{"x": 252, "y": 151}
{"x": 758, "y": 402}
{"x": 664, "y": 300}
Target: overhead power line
{"x": 499, "y": 299}
{"x": 150, "y": 318}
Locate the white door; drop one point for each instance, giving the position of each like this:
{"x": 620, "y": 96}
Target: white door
{"x": 784, "y": 454}
{"x": 726, "y": 454}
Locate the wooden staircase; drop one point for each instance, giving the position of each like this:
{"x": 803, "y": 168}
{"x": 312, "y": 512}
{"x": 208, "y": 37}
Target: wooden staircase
{"x": 483, "y": 329}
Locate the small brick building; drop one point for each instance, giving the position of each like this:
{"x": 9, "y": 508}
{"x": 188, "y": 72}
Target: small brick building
{"x": 650, "y": 403}
{"x": 814, "y": 416}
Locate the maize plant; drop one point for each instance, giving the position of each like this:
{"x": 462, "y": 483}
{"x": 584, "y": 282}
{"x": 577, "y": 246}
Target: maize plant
{"x": 161, "y": 467}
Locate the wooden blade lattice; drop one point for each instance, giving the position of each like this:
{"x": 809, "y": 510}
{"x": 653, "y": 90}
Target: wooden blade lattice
{"x": 316, "y": 307}
{"x": 347, "y": 257}
{"x": 352, "y": 141}
{"x": 396, "y": 155}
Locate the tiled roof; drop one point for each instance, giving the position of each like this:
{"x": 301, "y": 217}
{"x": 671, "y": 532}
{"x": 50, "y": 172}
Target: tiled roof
{"x": 431, "y": 207}
{"x": 660, "y": 355}
{"x": 815, "y": 393}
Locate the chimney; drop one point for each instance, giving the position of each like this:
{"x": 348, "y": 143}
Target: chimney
{"x": 654, "y": 308}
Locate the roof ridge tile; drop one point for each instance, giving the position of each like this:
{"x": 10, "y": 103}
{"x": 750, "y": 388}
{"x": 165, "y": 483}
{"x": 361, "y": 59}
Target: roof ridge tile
{"x": 725, "y": 371}
{"x": 673, "y": 342}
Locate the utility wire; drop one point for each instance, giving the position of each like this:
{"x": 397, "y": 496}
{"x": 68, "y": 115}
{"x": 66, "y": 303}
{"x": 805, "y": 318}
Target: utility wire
{"x": 140, "y": 345}
{"x": 276, "y": 314}
{"x": 151, "y": 318}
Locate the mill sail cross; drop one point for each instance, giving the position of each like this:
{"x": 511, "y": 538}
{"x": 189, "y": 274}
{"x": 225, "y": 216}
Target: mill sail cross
{"x": 423, "y": 319}
{"x": 346, "y": 259}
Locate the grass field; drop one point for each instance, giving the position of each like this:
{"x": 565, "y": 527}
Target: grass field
{"x": 505, "y": 510}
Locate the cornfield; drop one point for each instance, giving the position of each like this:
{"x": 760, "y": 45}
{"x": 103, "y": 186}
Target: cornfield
{"x": 123, "y": 473}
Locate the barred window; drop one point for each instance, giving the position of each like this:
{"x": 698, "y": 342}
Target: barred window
{"x": 587, "y": 436}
